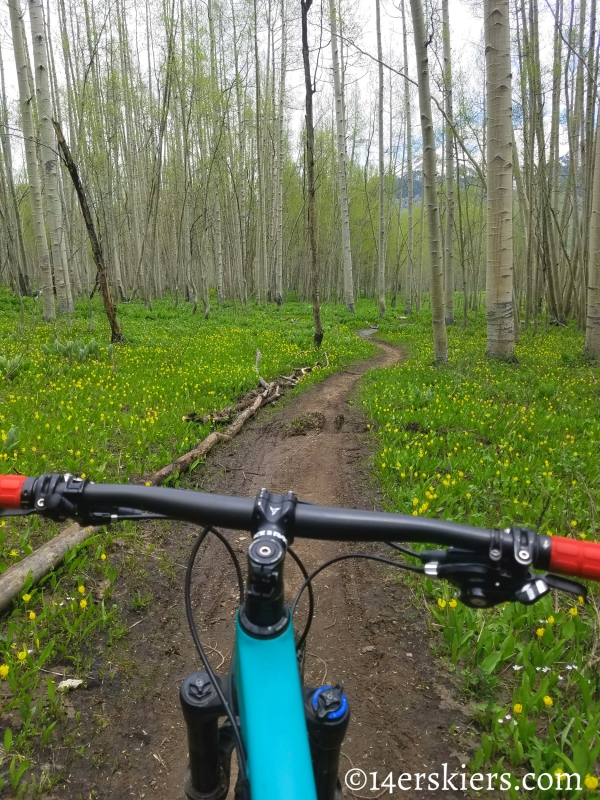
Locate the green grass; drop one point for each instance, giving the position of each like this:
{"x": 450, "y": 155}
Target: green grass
{"x": 116, "y": 413}
{"x": 494, "y": 444}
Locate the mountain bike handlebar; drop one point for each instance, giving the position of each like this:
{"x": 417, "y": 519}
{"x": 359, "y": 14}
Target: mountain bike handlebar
{"x": 63, "y": 496}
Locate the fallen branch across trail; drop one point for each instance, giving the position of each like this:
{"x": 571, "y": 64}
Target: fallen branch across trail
{"x": 184, "y": 462}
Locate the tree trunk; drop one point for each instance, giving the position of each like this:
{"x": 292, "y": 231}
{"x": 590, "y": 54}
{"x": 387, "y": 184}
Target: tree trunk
{"x": 409, "y": 167}
{"x": 280, "y": 158}
{"x": 342, "y": 167}
{"x": 449, "y": 238}
{"x": 592, "y": 328}
{"x": 261, "y": 239}
{"x": 37, "y": 210}
{"x": 109, "y": 307}
{"x": 434, "y": 228}
{"x": 14, "y": 213}
{"x": 499, "y": 282}
{"x": 310, "y": 171}
{"x": 48, "y": 153}
{"x": 381, "y": 239}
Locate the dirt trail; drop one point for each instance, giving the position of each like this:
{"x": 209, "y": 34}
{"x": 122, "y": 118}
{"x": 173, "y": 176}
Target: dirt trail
{"x": 367, "y": 633}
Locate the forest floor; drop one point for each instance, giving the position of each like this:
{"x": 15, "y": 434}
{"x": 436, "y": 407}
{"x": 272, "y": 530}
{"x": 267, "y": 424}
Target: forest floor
{"x": 368, "y": 631}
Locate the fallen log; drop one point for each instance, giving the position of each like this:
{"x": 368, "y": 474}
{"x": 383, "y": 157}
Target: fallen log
{"x": 41, "y": 561}
{"x": 184, "y": 462}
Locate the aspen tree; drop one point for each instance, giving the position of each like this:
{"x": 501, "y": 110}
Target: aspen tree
{"x": 499, "y": 281}
{"x": 434, "y": 228}
{"x": 280, "y": 163}
{"x": 449, "y": 238}
{"x": 261, "y": 286}
{"x": 305, "y": 6}
{"x": 340, "y": 123}
{"x": 48, "y": 151}
{"x": 381, "y": 240}
{"x": 14, "y": 214}
{"x": 409, "y": 168}
{"x": 592, "y": 329}
{"x": 37, "y": 210}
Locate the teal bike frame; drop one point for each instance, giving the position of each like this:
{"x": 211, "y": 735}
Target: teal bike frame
{"x": 272, "y": 718}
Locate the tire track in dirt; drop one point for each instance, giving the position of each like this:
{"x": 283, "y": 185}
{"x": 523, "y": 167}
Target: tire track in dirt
{"x": 367, "y": 632}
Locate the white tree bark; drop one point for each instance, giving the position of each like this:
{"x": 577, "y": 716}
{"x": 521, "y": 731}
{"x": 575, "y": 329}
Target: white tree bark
{"x": 48, "y": 149}
{"x": 409, "y": 167}
{"x": 340, "y": 124}
{"x": 14, "y": 215}
{"x": 261, "y": 236}
{"x": 499, "y": 278}
{"x": 381, "y": 241}
{"x": 434, "y": 228}
{"x": 35, "y": 192}
{"x": 592, "y": 328}
{"x": 280, "y": 162}
{"x": 449, "y": 238}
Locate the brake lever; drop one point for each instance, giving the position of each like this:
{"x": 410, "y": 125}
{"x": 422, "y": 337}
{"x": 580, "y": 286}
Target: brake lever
{"x": 567, "y": 585}
{"x": 483, "y": 583}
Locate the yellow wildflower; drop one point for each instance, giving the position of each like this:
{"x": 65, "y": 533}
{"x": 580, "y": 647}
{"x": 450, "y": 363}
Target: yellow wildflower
{"x": 591, "y": 781}
{"x": 550, "y": 620}
{"x": 26, "y": 597}
{"x": 518, "y": 708}
{"x": 540, "y": 632}
{"x": 4, "y": 669}
{"x": 441, "y": 603}
{"x": 83, "y": 604}
{"x": 22, "y": 654}
{"x": 32, "y": 615}
{"x": 453, "y": 603}
{"x": 548, "y": 701}
{"x": 573, "y": 611}
{"x": 81, "y": 589}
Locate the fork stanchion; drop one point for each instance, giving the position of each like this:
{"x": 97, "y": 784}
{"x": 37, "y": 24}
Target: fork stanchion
{"x": 207, "y": 777}
{"x": 327, "y": 716}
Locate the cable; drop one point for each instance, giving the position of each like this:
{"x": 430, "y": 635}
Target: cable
{"x": 311, "y": 600}
{"x": 401, "y": 549}
{"x": 190, "y": 616}
{"x": 381, "y": 559}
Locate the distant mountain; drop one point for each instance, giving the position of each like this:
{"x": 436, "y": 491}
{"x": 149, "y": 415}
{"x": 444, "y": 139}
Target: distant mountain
{"x": 402, "y": 189}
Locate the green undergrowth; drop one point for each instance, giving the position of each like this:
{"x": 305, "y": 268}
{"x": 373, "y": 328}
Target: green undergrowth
{"x": 71, "y": 402}
{"x": 493, "y": 444}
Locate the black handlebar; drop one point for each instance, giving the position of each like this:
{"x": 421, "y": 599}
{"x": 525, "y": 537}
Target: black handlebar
{"x": 64, "y": 496}
{"x": 489, "y": 566}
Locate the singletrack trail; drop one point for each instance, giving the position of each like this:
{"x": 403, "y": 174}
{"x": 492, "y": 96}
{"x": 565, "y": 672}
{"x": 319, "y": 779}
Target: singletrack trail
{"x": 369, "y": 631}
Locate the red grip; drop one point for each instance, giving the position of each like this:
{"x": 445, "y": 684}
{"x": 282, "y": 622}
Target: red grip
{"x": 576, "y": 558}
{"x": 10, "y": 490}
